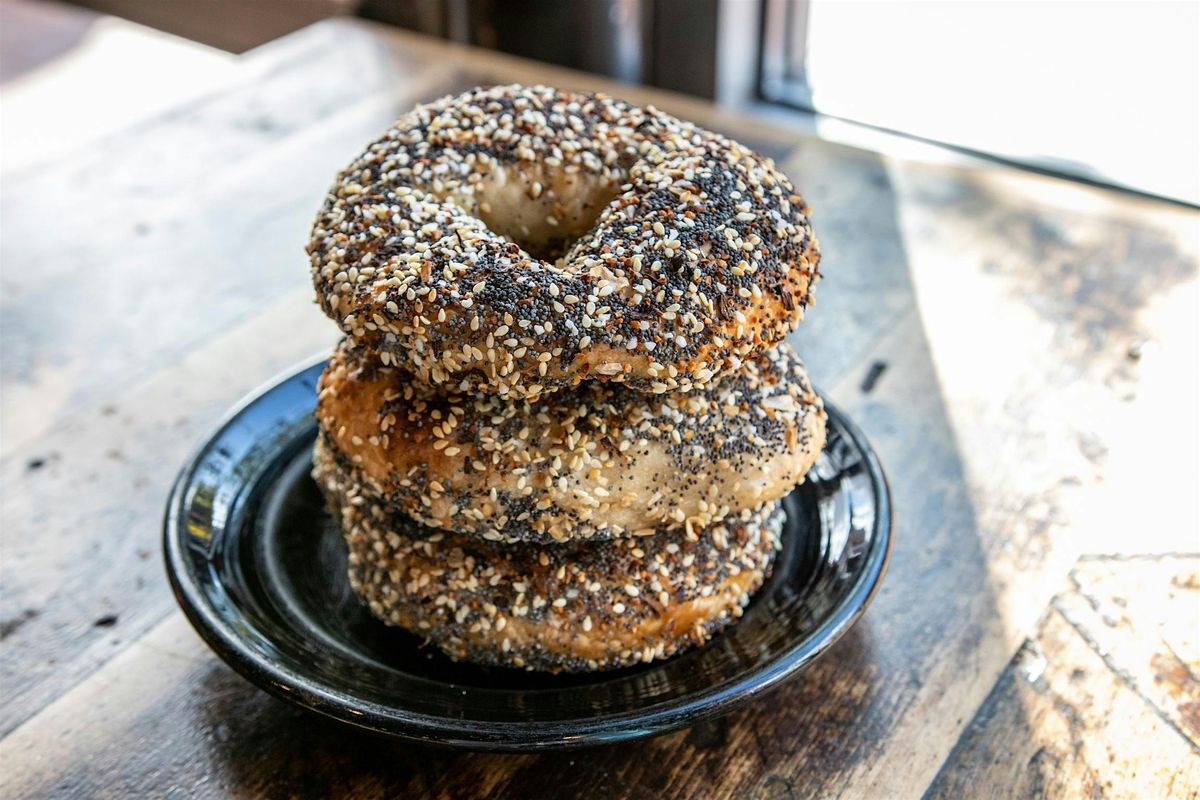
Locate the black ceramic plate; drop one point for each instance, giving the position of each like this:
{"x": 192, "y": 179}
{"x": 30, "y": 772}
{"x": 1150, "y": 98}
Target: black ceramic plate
{"x": 259, "y": 568}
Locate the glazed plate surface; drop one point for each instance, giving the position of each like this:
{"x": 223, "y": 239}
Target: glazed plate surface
{"x": 259, "y": 568}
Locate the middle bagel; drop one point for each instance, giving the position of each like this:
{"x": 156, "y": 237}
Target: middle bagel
{"x": 597, "y": 461}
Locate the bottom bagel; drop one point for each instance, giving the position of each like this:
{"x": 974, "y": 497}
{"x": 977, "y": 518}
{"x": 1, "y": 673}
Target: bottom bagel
{"x": 558, "y": 607}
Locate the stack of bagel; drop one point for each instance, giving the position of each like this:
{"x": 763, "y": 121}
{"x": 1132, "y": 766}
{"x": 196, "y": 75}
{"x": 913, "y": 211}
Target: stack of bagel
{"x": 563, "y": 415}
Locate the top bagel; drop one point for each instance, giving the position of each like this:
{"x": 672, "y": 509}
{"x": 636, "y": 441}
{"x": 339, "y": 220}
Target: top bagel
{"x": 516, "y": 240}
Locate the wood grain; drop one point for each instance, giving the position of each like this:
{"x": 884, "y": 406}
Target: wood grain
{"x": 87, "y": 577}
{"x": 1102, "y": 701}
{"x": 976, "y": 321}
{"x": 194, "y": 222}
{"x": 1142, "y": 615}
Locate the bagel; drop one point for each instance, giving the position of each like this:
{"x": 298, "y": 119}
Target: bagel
{"x": 518, "y": 240}
{"x": 557, "y": 607}
{"x": 596, "y": 461}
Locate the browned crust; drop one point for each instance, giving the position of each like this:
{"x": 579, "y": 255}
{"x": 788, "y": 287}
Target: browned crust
{"x": 554, "y": 607}
{"x": 598, "y": 461}
{"x": 703, "y": 258}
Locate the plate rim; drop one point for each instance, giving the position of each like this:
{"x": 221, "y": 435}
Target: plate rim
{"x": 502, "y": 736}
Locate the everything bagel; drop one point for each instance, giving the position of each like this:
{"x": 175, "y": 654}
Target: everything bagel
{"x": 518, "y": 240}
{"x": 596, "y": 461}
{"x": 555, "y": 607}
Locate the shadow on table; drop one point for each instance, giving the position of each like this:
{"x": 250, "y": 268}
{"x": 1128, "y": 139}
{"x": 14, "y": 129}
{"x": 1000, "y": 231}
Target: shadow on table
{"x": 257, "y": 745}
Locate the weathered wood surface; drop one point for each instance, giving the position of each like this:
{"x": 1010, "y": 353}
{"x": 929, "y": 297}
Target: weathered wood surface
{"x": 1024, "y": 340}
{"x": 1068, "y": 718}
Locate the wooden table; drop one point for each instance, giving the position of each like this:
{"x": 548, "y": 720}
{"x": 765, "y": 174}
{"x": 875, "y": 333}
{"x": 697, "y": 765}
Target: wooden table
{"x": 1020, "y": 349}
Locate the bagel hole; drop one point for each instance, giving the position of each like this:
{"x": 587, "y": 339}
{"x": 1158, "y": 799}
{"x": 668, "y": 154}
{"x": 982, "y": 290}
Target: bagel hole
{"x": 544, "y": 214}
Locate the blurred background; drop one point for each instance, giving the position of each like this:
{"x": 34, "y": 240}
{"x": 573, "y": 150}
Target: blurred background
{"x": 1100, "y": 91}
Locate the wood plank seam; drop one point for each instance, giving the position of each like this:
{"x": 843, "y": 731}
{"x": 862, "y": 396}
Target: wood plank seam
{"x": 956, "y": 751}
{"x": 1116, "y": 670}
{"x": 1014, "y": 665}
